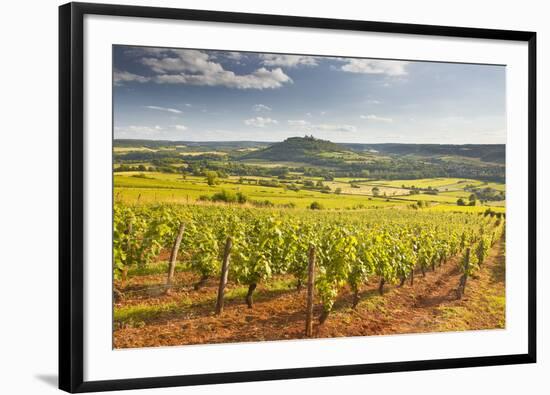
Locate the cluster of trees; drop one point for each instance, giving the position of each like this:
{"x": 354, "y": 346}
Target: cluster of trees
{"x": 295, "y": 185}
{"x": 471, "y": 201}
{"x": 228, "y": 196}
{"x": 486, "y": 193}
{"x": 316, "y": 206}
{"x": 420, "y": 204}
{"x": 327, "y": 168}
{"x": 482, "y": 195}
{"x": 316, "y": 186}
{"x": 414, "y": 190}
{"x": 310, "y": 150}
{"x": 313, "y": 152}
{"x": 123, "y": 168}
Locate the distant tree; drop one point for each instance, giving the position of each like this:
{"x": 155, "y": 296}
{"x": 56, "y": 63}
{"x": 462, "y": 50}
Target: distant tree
{"x": 241, "y": 197}
{"x": 229, "y": 197}
{"x": 316, "y": 206}
{"x": 293, "y": 187}
{"x": 338, "y": 191}
{"x": 221, "y": 174}
{"x": 196, "y": 170}
{"x": 375, "y": 191}
{"x": 460, "y": 202}
{"x": 268, "y": 183}
{"x": 211, "y": 177}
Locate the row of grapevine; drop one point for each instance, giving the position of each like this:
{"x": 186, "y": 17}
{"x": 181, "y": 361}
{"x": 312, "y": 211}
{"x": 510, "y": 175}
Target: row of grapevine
{"x": 350, "y": 248}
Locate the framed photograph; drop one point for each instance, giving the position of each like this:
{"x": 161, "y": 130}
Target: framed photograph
{"x": 253, "y": 197}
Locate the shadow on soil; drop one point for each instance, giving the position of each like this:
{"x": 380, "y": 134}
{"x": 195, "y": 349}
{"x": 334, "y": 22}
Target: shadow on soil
{"x": 206, "y": 308}
{"x": 498, "y": 271}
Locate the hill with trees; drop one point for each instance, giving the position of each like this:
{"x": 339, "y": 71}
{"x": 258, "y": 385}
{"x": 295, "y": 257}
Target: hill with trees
{"x": 296, "y": 149}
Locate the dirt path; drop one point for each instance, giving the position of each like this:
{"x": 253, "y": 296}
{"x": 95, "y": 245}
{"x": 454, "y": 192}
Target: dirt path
{"x": 429, "y": 305}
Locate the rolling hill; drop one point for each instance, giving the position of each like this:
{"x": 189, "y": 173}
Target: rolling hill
{"x": 296, "y": 149}
{"x": 383, "y": 161}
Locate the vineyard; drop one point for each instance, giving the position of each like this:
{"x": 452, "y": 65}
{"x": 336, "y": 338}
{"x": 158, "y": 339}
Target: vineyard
{"x": 321, "y": 253}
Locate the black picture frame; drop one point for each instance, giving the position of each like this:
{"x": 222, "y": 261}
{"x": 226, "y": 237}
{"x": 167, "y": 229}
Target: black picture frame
{"x": 71, "y": 204}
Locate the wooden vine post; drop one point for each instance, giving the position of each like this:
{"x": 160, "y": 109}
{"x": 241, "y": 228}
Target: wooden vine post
{"x": 310, "y": 283}
{"x": 128, "y": 252}
{"x": 464, "y": 277}
{"x": 223, "y": 275}
{"x": 174, "y": 256}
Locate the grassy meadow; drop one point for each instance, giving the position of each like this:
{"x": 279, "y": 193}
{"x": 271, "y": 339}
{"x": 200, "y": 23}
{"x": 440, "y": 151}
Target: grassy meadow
{"x": 155, "y": 187}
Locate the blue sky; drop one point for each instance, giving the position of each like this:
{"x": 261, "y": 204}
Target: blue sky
{"x": 200, "y": 95}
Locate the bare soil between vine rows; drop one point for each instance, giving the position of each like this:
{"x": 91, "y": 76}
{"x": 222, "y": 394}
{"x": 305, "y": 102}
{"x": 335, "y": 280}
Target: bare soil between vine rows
{"x": 186, "y": 316}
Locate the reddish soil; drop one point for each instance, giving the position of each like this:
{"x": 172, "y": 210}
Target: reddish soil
{"x": 429, "y": 305}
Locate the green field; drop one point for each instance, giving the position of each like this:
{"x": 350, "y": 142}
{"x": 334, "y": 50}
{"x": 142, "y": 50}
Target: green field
{"x": 439, "y": 183}
{"x": 158, "y": 187}
{"x": 148, "y": 187}
{"x": 300, "y": 171}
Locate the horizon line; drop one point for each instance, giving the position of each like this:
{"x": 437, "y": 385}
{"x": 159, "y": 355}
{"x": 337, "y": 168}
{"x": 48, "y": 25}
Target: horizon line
{"x": 279, "y": 141}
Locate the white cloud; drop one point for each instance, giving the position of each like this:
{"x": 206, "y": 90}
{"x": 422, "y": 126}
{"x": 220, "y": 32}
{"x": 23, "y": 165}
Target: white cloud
{"x": 261, "y": 108}
{"x": 121, "y": 77}
{"x": 259, "y": 79}
{"x": 372, "y": 117}
{"x": 325, "y": 127}
{"x": 372, "y": 101}
{"x": 234, "y": 55}
{"x": 392, "y": 68}
{"x": 140, "y": 51}
{"x": 192, "y": 67}
{"x": 172, "y": 110}
{"x": 146, "y": 131}
{"x": 180, "y": 60}
{"x": 298, "y": 122}
{"x": 260, "y": 122}
{"x": 287, "y": 60}
{"x": 335, "y": 127}
{"x": 142, "y": 129}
